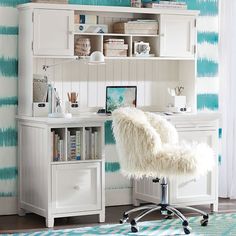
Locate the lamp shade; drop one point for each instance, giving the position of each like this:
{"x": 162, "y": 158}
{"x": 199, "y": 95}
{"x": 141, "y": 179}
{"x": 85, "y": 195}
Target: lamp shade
{"x": 96, "y": 57}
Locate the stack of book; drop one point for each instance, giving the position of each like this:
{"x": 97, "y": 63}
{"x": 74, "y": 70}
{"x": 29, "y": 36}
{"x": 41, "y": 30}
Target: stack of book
{"x": 165, "y": 4}
{"x": 58, "y": 153}
{"x": 91, "y": 141}
{"x": 73, "y": 145}
{"x": 115, "y": 48}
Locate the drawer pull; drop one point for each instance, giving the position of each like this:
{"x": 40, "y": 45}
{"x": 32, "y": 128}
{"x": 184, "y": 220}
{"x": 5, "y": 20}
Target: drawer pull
{"x": 187, "y": 182}
{"x": 76, "y": 187}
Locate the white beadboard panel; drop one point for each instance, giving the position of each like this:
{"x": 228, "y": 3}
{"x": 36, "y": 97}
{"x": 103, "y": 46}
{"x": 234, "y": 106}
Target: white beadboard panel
{"x": 125, "y": 73}
{"x": 109, "y": 72}
{"x": 117, "y": 73}
{"x": 9, "y": 16}
{"x": 11, "y": 40}
{"x": 132, "y": 73}
{"x": 92, "y": 86}
{"x": 101, "y": 85}
{"x": 207, "y": 85}
{"x": 8, "y": 156}
{"x": 140, "y": 82}
{"x": 115, "y": 180}
{"x": 208, "y": 24}
{"x": 152, "y": 78}
{"x": 148, "y": 67}
{"x": 8, "y": 119}
{"x": 8, "y": 86}
{"x": 83, "y": 84}
{"x": 8, "y": 205}
{"x": 209, "y": 51}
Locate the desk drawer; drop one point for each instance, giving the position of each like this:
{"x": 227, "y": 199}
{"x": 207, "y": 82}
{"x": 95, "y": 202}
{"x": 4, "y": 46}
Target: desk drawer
{"x": 76, "y": 187}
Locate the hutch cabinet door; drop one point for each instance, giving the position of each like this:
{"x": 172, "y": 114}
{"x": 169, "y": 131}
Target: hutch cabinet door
{"x": 76, "y": 187}
{"x": 194, "y": 190}
{"x": 53, "y": 32}
{"x": 177, "y": 36}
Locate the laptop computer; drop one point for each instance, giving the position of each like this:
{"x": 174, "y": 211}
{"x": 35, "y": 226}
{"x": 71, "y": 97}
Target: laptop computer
{"x": 120, "y": 96}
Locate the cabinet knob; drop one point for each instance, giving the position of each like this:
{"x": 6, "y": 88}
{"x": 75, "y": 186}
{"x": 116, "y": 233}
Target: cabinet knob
{"x": 76, "y": 187}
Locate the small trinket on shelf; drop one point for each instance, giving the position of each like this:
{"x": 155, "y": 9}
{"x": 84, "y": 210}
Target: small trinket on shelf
{"x": 82, "y": 47}
{"x": 136, "y": 3}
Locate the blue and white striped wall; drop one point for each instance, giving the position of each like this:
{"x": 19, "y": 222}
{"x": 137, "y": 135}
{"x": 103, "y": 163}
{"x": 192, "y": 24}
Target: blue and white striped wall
{"x": 207, "y": 89}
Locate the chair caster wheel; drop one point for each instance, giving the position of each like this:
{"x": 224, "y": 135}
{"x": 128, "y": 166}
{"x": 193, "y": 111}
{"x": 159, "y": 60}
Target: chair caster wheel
{"x": 169, "y": 215}
{"x": 187, "y": 229}
{"x": 124, "y": 219}
{"x": 204, "y": 222}
{"x": 134, "y": 228}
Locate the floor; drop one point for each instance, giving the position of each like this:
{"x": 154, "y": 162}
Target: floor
{"x": 32, "y": 222}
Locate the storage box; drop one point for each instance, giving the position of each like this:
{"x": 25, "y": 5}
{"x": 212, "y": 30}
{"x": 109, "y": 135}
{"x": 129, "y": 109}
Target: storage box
{"x": 90, "y": 28}
{"x": 177, "y": 101}
{"x": 136, "y": 27}
{"x": 72, "y": 108}
{"x": 115, "y": 53}
{"x": 40, "y": 109}
{"x": 115, "y": 46}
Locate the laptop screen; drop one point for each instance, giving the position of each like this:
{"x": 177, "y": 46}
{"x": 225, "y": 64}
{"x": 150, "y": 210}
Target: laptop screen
{"x": 120, "y": 96}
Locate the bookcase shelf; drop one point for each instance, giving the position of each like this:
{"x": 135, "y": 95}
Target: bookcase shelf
{"x": 75, "y": 144}
{"x": 57, "y": 164}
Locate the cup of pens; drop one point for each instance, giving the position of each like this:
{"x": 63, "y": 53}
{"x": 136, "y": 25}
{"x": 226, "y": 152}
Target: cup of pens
{"x": 72, "y": 105}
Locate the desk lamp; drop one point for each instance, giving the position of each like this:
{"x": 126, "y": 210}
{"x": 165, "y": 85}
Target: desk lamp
{"x": 96, "y": 58}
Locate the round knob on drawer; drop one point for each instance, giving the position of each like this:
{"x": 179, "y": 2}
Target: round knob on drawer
{"x": 76, "y": 187}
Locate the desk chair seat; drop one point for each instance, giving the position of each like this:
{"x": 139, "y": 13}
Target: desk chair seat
{"x": 148, "y": 146}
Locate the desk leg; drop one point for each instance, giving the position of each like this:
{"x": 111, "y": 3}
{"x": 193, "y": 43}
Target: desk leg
{"x": 102, "y": 217}
{"x": 214, "y": 207}
{"x": 49, "y": 222}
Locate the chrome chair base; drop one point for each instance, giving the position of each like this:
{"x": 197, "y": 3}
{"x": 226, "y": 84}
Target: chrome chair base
{"x": 164, "y": 207}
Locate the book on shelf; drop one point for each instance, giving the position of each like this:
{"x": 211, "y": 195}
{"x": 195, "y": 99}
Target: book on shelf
{"x": 115, "y": 41}
{"x": 74, "y": 145}
{"x": 58, "y": 152}
{"x": 96, "y": 150}
{"x": 91, "y": 143}
{"x": 78, "y": 145}
{"x": 166, "y": 5}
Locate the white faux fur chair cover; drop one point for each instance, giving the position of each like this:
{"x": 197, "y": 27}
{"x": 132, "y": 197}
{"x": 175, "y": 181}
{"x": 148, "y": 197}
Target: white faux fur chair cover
{"x": 148, "y": 146}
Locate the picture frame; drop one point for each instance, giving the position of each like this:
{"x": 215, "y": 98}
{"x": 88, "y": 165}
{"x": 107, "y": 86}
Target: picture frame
{"x": 141, "y": 48}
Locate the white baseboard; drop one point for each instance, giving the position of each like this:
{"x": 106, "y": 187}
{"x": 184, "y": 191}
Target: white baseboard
{"x": 8, "y": 205}
{"x": 116, "y": 197}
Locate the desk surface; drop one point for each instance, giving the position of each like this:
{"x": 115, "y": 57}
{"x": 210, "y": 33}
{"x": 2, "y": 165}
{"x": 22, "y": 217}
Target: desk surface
{"x": 94, "y": 117}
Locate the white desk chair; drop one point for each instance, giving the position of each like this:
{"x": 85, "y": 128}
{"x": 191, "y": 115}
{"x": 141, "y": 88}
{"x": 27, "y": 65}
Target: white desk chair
{"x": 148, "y": 146}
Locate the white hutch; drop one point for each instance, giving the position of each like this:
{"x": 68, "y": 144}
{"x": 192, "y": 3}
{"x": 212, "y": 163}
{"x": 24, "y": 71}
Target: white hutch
{"x": 46, "y": 36}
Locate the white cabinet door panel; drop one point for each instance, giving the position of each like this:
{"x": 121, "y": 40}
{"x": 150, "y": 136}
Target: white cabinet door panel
{"x": 203, "y": 188}
{"x": 76, "y": 187}
{"x": 177, "y": 36}
{"x": 53, "y": 32}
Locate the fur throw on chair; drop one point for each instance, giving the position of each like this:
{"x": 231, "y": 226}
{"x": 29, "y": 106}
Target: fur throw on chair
{"x": 148, "y": 146}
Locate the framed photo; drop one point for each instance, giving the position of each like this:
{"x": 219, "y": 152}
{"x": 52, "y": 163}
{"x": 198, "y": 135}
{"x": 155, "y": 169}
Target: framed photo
{"x": 141, "y": 48}
{"x": 120, "y": 96}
